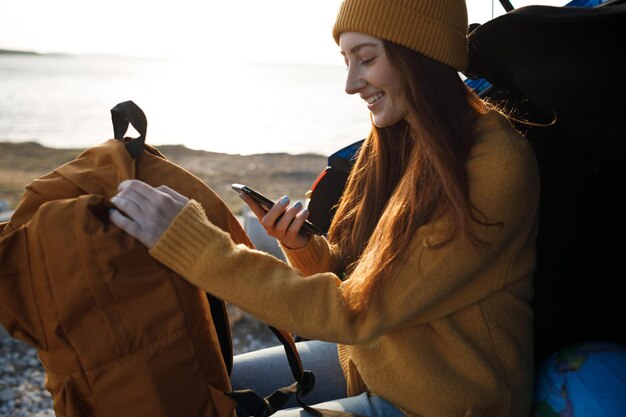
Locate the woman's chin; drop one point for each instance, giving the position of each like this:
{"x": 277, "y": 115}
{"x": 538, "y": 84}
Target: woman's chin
{"x": 382, "y": 121}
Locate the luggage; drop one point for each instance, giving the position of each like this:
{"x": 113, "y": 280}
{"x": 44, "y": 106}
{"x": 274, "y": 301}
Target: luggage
{"x": 118, "y": 333}
{"x": 562, "y": 65}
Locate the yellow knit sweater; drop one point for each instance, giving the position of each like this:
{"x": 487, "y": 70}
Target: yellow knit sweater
{"x": 450, "y": 335}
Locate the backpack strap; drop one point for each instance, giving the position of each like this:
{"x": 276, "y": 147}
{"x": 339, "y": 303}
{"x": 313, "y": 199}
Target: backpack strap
{"x": 123, "y": 114}
{"x": 258, "y": 406}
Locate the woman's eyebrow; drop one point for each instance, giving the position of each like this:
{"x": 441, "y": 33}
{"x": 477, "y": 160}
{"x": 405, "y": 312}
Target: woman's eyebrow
{"x": 358, "y": 47}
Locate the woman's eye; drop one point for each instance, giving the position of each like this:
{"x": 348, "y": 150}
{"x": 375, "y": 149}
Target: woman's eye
{"x": 368, "y": 61}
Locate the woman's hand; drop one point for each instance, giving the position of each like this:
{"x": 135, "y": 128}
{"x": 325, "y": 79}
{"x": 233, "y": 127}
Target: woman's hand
{"x": 282, "y": 222}
{"x": 145, "y": 212}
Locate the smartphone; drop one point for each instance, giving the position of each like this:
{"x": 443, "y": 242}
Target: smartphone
{"x": 267, "y": 204}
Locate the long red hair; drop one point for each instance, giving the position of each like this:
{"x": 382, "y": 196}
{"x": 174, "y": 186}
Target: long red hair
{"x": 407, "y": 174}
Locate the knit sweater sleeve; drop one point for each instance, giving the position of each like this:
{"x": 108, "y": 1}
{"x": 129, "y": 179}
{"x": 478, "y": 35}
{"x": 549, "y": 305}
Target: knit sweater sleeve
{"x": 428, "y": 283}
{"x": 316, "y": 256}
{"x": 266, "y": 287}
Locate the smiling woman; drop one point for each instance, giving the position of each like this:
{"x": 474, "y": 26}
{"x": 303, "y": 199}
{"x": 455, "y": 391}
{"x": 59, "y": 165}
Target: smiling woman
{"x": 426, "y": 269}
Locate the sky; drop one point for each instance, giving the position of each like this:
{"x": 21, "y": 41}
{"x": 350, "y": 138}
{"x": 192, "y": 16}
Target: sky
{"x": 276, "y": 31}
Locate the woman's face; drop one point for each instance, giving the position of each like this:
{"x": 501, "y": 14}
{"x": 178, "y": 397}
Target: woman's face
{"x": 371, "y": 75}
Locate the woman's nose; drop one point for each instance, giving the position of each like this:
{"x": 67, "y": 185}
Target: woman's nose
{"x": 354, "y": 82}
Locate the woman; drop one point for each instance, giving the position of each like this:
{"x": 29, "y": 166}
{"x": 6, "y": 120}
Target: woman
{"x": 425, "y": 279}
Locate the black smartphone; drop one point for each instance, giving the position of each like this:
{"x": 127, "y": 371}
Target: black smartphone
{"x": 267, "y": 204}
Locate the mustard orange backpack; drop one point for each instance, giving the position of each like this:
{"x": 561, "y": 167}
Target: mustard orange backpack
{"x": 118, "y": 333}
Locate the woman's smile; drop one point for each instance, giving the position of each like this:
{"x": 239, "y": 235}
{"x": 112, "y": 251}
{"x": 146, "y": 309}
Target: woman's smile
{"x": 373, "y": 99}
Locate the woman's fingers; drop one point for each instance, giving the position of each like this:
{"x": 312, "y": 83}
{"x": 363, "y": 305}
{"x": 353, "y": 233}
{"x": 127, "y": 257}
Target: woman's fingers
{"x": 286, "y": 220}
{"x": 256, "y": 208}
{"x": 140, "y": 187}
{"x": 130, "y": 200}
{"x": 294, "y": 238}
{"x": 145, "y": 212}
{"x": 296, "y": 225}
{"x": 272, "y": 218}
{"x": 281, "y": 221}
{"x": 173, "y": 193}
{"x": 126, "y": 224}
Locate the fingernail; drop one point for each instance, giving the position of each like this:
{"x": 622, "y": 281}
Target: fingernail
{"x": 298, "y": 205}
{"x": 114, "y": 199}
{"x": 283, "y": 201}
{"x": 305, "y": 212}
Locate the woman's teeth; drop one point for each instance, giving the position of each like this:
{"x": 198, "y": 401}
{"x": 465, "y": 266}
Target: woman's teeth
{"x": 373, "y": 99}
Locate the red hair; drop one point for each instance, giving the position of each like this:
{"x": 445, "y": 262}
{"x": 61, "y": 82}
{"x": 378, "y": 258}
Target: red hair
{"x": 407, "y": 175}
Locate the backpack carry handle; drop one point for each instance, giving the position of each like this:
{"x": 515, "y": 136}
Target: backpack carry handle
{"x": 123, "y": 114}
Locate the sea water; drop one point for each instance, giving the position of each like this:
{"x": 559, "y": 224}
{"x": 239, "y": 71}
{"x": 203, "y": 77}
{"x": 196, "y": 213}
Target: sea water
{"x": 64, "y": 101}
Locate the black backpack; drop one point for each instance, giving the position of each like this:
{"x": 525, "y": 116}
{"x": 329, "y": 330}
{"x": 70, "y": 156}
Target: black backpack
{"x": 561, "y": 68}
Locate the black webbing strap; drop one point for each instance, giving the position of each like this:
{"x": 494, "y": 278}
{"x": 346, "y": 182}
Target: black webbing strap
{"x": 304, "y": 378}
{"x": 258, "y": 406}
{"x": 123, "y": 114}
{"x": 507, "y": 5}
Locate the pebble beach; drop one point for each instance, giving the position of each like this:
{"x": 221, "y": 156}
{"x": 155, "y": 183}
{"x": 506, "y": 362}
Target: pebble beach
{"x": 22, "y": 392}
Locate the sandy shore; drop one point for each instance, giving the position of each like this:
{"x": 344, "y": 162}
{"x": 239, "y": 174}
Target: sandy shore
{"x": 274, "y": 174}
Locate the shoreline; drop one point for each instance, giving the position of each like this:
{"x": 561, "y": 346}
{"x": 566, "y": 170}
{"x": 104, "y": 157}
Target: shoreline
{"x": 273, "y": 174}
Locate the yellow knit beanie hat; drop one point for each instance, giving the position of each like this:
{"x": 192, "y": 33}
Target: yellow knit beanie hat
{"x": 434, "y": 28}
